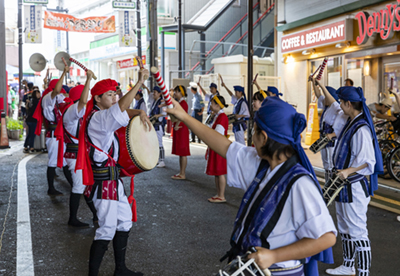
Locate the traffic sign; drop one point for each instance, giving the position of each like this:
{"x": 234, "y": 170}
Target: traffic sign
{"x": 124, "y": 5}
{"x": 45, "y": 2}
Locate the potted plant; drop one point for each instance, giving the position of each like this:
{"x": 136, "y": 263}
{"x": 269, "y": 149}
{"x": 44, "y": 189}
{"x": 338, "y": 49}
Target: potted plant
{"x": 14, "y": 128}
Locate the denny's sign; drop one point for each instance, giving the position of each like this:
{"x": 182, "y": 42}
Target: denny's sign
{"x": 385, "y": 23}
{"x": 328, "y": 34}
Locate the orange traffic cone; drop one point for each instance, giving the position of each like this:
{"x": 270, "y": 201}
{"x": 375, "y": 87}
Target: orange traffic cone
{"x": 3, "y": 137}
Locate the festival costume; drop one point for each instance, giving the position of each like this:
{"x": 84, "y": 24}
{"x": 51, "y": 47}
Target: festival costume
{"x": 98, "y": 156}
{"x": 180, "y": 139}
{"x": 141, "y": 104}
{"x": 67, "y": 132}
{"x": 216, "y": 164}
{"x": 240, "y": 108}
{"x": 158, "y": 126}
{"x": 283, "y": 205}
{"x": 356, "y": 145}
{"x": 49, "y": 109}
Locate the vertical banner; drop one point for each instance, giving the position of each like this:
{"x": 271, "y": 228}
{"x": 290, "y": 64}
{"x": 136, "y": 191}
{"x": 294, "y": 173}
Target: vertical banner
{"x": 33, "y": 24}
{"x": 126, "y": 29}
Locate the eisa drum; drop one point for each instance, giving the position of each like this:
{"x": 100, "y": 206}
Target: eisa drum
{"x": 139, "y": 150}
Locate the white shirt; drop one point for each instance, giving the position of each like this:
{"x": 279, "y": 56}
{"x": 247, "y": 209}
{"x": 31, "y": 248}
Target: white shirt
{"x": 101, "y": 130}
{"x": 48, "y": 105}
{"x": 304, "y": 215}
{"x": 142, "y": 106}
{"x": 71, "y": 118}
{"x": 244, "y": 109}
{"x": 362, "y": 150}
{"x": 332, "y": 113}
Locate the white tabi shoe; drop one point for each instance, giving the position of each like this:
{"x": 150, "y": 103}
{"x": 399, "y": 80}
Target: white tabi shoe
{"x": 398, "y": 218}
{"x": 341, "y": 270}
{"x": 161, "y": 165}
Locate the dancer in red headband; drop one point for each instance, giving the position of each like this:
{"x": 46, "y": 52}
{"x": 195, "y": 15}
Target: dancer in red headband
{"x": 67, "y": 132}
{"x": 98, "y": 159}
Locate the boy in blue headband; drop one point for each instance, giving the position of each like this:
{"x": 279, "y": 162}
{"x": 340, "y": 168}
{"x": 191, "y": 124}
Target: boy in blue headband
{"x": 241, "y": 110}
{"x": 282, "y": 211}
{"x": 158, "y": 114}
{"x": 140, "y": 102}
{"x": 356, "y": 156}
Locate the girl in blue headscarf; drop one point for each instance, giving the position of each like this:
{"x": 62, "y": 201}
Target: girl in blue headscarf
{"x": 282, "y": 212}
{"x": 356, "y": 156}
{"x": 240, "y": 111}
{"x": 330, "y": 116}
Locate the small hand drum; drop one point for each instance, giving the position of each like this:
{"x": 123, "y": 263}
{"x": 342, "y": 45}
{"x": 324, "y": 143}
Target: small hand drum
{"x": 58, "y": 61}
{"x": 333, "y": 187}
{"x": 232, "y": 118}
{"x": 243, "y": 267}
{"x": 209, "y": 119}
{"x": 319, "y": 144}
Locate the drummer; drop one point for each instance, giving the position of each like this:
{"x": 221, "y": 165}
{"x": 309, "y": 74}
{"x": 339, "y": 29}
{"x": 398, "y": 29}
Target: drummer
{"x": 140, "y": 102}
{"x": 241, "y": 111}
{"x": 294, "y": 226}
{"x": 67, "y": 131}
{"x": 49, "y": 108}
{"x": 157, "y": 115}
{"x": 208, "y": 96}
{"x": 99, "y": 149}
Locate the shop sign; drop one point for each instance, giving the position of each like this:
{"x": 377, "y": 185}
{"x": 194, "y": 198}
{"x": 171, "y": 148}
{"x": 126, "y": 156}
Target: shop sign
{"x": 129, "y": 63}
{"x": 126, "y": 28}
{"x": 385, "y": 23}
{"x": 33, "y": 24}
{"x": 324, "y": 35}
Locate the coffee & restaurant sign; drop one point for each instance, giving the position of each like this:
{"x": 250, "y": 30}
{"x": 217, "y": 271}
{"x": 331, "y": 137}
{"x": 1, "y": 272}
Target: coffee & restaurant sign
{"x": 324, "y": 35}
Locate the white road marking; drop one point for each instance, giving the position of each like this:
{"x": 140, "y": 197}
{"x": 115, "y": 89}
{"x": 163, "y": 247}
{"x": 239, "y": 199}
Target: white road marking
{"x": 24, "y": 237}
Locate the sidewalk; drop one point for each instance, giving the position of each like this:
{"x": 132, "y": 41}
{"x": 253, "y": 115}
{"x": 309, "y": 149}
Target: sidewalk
{"x": 15, "y": 146}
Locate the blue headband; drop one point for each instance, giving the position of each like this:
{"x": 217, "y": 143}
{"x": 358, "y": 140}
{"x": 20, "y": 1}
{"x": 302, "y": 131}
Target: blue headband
{"x": 353, "y": 94}
{"x": 333, "y": 92}
{"x": 239, "y": 88}
{"x": 140, "y": 92}
{"x": 274, "y": 90}
{"x": 156, "y": 88}
{"x": 213, "y": 85}
{"x": 285, "y": 127}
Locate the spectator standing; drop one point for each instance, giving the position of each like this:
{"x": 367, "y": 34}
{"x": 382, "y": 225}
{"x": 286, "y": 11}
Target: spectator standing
{"x": 31, "y": 103}
{"x": 197, "y": 107}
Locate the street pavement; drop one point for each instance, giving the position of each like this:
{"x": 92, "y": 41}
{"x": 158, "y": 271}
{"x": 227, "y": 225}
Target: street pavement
{"x": 177, "y": 233}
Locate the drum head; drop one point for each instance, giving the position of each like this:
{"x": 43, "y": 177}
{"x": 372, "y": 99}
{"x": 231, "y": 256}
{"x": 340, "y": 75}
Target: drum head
{"x": 142, "y": 144}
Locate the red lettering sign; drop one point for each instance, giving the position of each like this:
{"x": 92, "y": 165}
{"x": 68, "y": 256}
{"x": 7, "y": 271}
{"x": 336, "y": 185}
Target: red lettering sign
{"x": 328, "y": 34}
{"x": 385, "y": 23}
{"x": 129, "y": 63}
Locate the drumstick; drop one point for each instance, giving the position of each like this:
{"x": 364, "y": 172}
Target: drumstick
{"x": 81, "y": 65}
{"x": 222, "y": 80}
{"x": 321, "y": 71}
{"x": 161, "y": 84}
{"x": 139, "y": 60}
{"x": 312, "y": 74}
{"x": 255, "y": 78}
{"x": 63, "y": 60}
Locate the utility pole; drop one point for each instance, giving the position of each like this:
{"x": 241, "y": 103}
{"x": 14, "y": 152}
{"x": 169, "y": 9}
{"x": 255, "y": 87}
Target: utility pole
{"x": 138, "y": 29}
{"x": 3, "y": 77}
{"x": 250, "y": 67}
{"x": 153, "y": 31}
{"x": 20, "y": 71}
{"x": 180, "y": 37}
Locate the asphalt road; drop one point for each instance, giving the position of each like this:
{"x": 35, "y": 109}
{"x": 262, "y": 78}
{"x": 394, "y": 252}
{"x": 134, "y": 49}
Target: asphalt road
{"x": 177, "y": 233}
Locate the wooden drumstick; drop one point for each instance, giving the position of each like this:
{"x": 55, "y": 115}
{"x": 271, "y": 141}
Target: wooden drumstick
{"x": 139, "y": 60}
{"x": 81, "y": 65}
{"x": 222, "y": 80}
{"x": 267, "y": 272}
{"x": 313, "y": 74}
{"x": 321, "y": 71}
{"x": 255, "y": 78}
{"x": 63, "y": 60}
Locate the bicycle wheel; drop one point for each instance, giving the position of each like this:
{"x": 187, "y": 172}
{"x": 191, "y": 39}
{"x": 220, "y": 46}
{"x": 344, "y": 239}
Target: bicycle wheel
{"x": 393, "y": 163}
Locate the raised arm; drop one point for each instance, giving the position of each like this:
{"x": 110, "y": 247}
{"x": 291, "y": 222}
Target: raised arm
{"x": 227, "y": 89}
{"x": 57, "y": 89}
{"x": 127, "y": 99}
{"x": 201, "y": 89}
{"x": 315, "y": 87}
{"x": 256, "y": 84}
{"x": 329, "y": 99}
{"x": 147, "y": 89}
{"x": 85, "y": 93}
{"x": 212, "y": 138}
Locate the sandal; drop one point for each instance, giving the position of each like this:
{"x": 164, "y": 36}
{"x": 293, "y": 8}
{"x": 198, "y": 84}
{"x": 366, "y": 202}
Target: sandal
{"x": 216, "y": 200}
{"x": 178, "y": 177}
{"x": 25, "y": 150}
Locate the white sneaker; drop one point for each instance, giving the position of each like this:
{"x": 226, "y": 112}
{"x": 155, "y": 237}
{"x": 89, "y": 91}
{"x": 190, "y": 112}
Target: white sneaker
{"x": 398, "y": 218}
{"x": 341, "y": 270}
{"x": 161, "y": 164}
